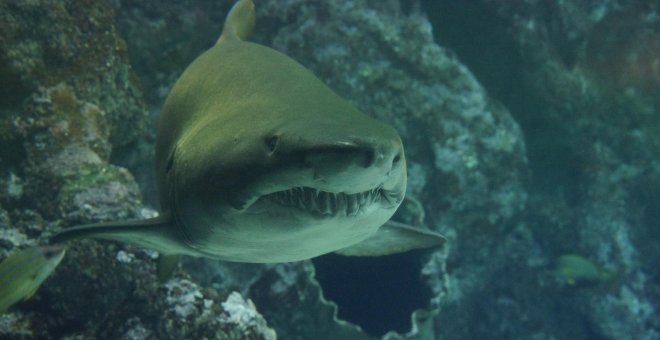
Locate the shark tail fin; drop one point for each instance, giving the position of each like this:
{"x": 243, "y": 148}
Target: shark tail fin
{"x": 392, "y": 238}
{"x": 239, "y": 22}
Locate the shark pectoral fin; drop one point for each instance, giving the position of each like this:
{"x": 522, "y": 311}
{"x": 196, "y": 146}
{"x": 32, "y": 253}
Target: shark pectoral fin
{"x": 155, "y": 233}
{"x": 166, "y": 266}
{"x": 31, "y": 293}
{"x": 394, "y": 237}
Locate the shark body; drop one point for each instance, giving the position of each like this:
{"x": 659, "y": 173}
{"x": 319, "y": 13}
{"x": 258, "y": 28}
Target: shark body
{"x": 258, "y": 161}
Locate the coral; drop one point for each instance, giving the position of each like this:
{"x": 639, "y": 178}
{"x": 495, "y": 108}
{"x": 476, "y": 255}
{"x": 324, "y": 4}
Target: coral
{"x": 244, "y": 314}
{"x": 14, "y": 325}
{"x": 94, "y": 196}
{"x": 181, "y": 297}
{"x": 136, "y": 330}
{"x": 192, "y": 314}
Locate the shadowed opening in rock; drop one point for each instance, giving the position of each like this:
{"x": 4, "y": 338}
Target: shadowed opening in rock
{"x": 377, "y": 293}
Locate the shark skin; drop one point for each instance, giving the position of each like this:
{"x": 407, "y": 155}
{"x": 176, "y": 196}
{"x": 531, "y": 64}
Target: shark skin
{"x": 258, "y": 161}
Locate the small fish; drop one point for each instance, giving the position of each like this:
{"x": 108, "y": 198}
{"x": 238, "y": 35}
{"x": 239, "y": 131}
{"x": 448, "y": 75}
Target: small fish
{"x": 578, "y": 270}
{"x": 22, "y": 272}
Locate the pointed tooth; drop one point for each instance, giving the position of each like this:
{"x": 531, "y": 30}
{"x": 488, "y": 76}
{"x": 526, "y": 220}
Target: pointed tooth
{"x": 340, "y": 200}
{"x": 361, "y": 198}
{"x": 300, "y": 198}
{"x": 309, "y": 198}
{"x": 303, "y": 198}
{"x": 316, "y": 200}
{"x": 321, "y": 202}
{"x": 290, "y": 197}
{"x": 313, "y": 203}
{"x": 325, "y": 203}
{"x": 353, "y": 205}
{"x": 293, "y": 198}
{"x": 333, "y": 203}
{"x": 387, "y": 197}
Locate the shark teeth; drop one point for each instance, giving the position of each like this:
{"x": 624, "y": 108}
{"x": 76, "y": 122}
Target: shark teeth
{"x": 326, "y": 203}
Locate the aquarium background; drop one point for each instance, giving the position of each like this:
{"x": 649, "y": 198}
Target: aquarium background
{"x": 531, "y": 131}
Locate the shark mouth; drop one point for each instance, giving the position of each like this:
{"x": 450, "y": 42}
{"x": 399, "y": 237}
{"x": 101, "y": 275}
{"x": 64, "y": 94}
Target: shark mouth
{"x": 330, "y": 203}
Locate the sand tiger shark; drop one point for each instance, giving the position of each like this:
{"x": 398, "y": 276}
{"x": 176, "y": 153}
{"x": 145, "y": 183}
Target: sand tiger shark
{"x": 258, "y": 161}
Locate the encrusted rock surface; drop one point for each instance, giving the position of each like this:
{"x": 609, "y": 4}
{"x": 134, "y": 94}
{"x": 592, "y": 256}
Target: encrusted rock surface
{"x": 582, "y": 79}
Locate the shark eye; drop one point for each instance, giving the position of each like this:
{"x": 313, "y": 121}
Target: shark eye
{"x": 271, "y": 143}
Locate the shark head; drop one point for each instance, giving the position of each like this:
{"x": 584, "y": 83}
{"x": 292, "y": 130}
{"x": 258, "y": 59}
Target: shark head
{"x": 329, "y": 176}
{"x": 327, "y": 168}
{"x": 289, "y": 165}
{"x": 325, "y": 172}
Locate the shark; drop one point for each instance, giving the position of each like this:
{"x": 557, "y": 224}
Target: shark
{"x": 258, "y": 161}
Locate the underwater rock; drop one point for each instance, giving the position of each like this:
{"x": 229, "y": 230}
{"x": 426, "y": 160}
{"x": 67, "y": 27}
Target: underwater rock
{"x": 163, "y": 38}
{"x": 67, "y": 94}
{"x": 134, "y": 303}
{"x": 581, "y": 78}
{"x": 46, "y": 42}
{"x": 191, "y": 314}
{"x": 243, "y": 314}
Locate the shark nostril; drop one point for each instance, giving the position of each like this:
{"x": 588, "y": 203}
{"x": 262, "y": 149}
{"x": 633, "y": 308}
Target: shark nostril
{"x": 396, "y": 159}
{"x": 369, "y": 158}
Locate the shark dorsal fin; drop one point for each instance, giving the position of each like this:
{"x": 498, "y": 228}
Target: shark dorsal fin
{"x": 240, "y": 22}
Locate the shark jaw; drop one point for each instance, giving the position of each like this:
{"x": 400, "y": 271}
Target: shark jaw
{"x": 323, "y": 204}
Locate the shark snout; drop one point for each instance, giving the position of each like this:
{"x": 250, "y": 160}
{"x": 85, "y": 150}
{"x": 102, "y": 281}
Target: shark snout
{"x": 356, "y": 165}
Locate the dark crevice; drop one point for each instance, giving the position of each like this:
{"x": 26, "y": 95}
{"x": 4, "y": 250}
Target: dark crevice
{"x": 13, "y": 90}
{"x": 377, "y": 293}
